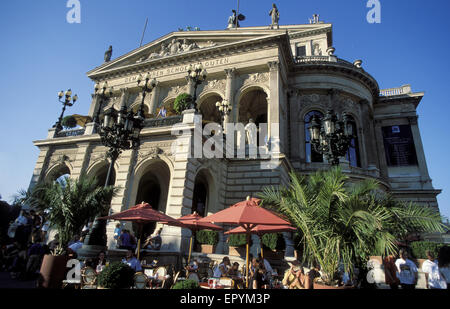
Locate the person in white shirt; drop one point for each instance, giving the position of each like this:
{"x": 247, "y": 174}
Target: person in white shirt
{"x": 21, "y": 219}
{"x": 434, "y": 278}
{"x": 132, "y": 261}
{"x": 222, "y": 269}
{"x": 406, "y": 271}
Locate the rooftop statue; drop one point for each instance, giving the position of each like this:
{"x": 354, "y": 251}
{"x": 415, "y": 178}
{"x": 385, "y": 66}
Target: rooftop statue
{"x": 233, "y": 20}
{"x": 275, "y": 14}
{"x": 108, "y": 54}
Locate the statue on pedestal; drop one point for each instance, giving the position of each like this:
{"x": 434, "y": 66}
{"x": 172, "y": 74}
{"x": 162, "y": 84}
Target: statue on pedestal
{"x": 275, "y": 14}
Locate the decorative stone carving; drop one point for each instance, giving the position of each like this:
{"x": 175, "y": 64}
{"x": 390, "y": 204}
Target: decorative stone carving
{"x": 97, "y": 156}
{"x": 151, "y": 153}
{"x": 215, "y": 84}
{"x": 257, "y": 78}
{"x": 60, "y": 159}
{"x": 273, "y": 65}
{"x": 175, "y": 47}
{"x": 176, "y": 90}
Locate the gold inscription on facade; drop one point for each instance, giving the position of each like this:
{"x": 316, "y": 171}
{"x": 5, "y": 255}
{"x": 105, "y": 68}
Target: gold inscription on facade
{"x": 179, "y": 69}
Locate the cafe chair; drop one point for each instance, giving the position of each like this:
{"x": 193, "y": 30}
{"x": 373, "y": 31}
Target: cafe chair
{"x": 89, "y": 277}
{"x": 140, "y": 281}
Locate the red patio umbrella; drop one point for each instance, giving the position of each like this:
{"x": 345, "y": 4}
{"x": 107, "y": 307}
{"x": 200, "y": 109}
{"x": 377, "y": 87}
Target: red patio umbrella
{"x": 263, "y": 229}
{"x": 247, "y": 214}
{"x": 192, "y": 223}
{"x": 141, "y": 214}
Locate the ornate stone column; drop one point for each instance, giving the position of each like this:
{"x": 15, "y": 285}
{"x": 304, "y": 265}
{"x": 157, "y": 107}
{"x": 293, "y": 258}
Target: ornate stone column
{"x": 229, "y": 91}
{"x": 94, "y": 105}
{"x": 273, "y": 114}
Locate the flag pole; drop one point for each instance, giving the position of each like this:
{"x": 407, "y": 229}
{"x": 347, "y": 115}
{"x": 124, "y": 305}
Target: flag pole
{"x": 145, "y": 27}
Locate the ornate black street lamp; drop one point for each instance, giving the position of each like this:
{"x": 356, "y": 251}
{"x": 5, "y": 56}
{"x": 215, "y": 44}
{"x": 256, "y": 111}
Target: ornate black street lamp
{"x": 103, "y": 92}
{"x": 224, "y": 109}
{"x": 197, "y": 74}
{"x": 119, "y": 131}
{"x": 330, "y": 136}
{"x": 68, "y": 101}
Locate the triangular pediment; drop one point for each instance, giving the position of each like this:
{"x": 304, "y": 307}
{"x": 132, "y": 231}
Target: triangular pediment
{"x": 187, "y": 42}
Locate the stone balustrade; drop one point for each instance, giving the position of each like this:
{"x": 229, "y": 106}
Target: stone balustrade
{"x": 395, "y": 91}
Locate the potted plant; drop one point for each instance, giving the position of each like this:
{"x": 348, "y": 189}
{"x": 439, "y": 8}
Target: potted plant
{"x": 207, "y": 241}
{"x": 182, "y": 102}
{"x": 116, "y": 275}
{"x": 236, "y": 244}
{"x": 342, "y": 223}
{"x": 71, "y": 204}
{"x": 273, "y": 245}
{"x": 186, "y": 285}
{"x": 69, "y": 122}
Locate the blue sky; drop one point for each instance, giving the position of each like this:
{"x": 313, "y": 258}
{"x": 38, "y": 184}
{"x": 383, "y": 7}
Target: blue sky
{"x": 41, "y": 54}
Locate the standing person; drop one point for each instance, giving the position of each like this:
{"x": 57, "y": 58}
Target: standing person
{"x": 406, "y": 271}
{"x": 125, "y": 240}
{"x": 434, "y": 278}
{"x": 444, "y": 263}
{"x": 35, "y": 254}
{"x": 132, "y": 261}
{"x": 117, "y": 232}
{"x": 390, "y": 272}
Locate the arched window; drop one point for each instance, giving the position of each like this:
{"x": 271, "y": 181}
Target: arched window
{"x": 352, "y": 155}
{"x": 311, "y": 154}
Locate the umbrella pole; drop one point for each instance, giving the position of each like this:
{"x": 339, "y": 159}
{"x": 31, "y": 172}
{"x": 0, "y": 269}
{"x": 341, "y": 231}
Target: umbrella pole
{"x": 139, "y": 241}
{"x": 246, "y": 260}
{"x": 190, "y": 250}
{"x": 261, "y": 246}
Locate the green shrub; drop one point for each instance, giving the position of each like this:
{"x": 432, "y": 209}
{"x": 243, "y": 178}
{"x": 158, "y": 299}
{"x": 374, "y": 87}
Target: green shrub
{"x": 207, "y": 237}
{"x": 237, "y": 240}
{"x": 273, "y": 241}
{"x": 182, "y": 102}
{"x": 419, "y": 248}
{"x": 69, "y": 122}
{"x": 186, "y": 285}
{"x": 116, "y": 275}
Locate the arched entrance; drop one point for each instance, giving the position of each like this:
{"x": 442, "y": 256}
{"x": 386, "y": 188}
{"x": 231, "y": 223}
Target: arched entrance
{"x": 153, "y": 188}
{"x": 58, "y": 173}
{"x": 253, "y": 105}
{"x": 100, "y": 172}
{"x": 208, "y": 108}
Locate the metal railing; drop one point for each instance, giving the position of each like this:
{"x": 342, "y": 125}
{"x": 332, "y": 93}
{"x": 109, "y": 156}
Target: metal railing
{"x": 163, "y": 122}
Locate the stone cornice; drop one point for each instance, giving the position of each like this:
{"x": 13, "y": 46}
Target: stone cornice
{"x": 342, "y": 68}
{"x": 189, "y": 57}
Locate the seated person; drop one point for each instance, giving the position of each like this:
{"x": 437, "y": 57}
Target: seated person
{"x": 236, "y": 275}
{"x": 98, "y": 262}
{"x": 193, "y": 266}
{"x": 222, "y": 269}
{"x": 126, "y": 240}
{"x": 154, "y": 242}
{"x": 294, "y": 278}
{"x": 132, "y": 261}
{"x": 258, "y": 281}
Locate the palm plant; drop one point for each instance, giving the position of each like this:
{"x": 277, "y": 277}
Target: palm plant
{"x": 343, "y": 223}
{"x": 71, "y": 203}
